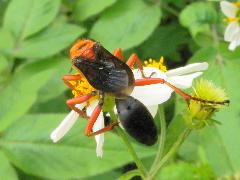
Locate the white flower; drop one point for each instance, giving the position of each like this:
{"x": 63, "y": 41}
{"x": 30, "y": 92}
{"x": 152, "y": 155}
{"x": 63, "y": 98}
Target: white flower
{"x": 232, "y": 32}
{"x": 72, "y": 117}
{"x": 152, "y": 95}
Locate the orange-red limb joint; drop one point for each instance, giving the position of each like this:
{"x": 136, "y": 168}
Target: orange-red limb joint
{"x": 107, "y": 128}
{"x": 78, "y": 100}
{"x": 68, "y": 78}
{"x": 135, "y": 59}
{"x": 119, "y": 54}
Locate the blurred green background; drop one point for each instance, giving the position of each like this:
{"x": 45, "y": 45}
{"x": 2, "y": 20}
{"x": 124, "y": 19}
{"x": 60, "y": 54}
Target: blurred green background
{"x": 35, "y": 37}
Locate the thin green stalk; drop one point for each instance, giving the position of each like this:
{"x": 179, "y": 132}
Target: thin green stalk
{"x": 162, "y": 137}
{"x": 130, "y": 174}
{"x": 166, "y": 7}
{"x": 170, "y": 9}
{"x": 131, "y": 150}
{"x": 170, "y": 153}
{"x": 138, "y": 162}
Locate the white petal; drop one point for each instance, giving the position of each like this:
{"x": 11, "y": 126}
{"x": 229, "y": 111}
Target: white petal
{"x": 229, "y": 9}
{"x": 191, "y": 68}
{"x": 65, "y": 125}
{"x": 152, "y": 94}
{"x": 149, "y": 71}
{"x": 185, "y": 81}
{"x": 232, "y": 46}
{"x": 235, "y": 42}
{"x": 99, "y": 124}
{"x": 153, "y": 110}
{"x": 231, "y": 31}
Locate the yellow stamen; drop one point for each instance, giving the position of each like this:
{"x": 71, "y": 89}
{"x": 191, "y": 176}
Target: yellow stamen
{"x": 82, "y": 87}
{"x": 230, "y": 19}
{"x": 237, "y": 4}
{"x": 157, "y": 64}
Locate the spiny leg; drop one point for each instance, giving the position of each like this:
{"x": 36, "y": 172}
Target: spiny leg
{"x": 187, "y": 97}
{"x": 78, "y": 100}
{"x": 135, "y": 59}
{"x": 118, "y": 53}
{"x": 68, "y": 78}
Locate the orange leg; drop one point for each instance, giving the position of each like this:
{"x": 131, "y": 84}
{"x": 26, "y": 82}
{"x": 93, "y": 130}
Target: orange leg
{"x": 93, "y": 119}
{"x": 68, "y": 78}
{"x": 94, "y": 115}
{"x": 187, "y": 97}
{"x": 135, "y": 59}
{"x": 118, "y": 53}
{"x": 78, "y": 100}
{"x": 107, "y": 128}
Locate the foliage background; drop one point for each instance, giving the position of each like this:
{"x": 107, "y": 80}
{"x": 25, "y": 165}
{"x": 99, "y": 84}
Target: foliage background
{"x": 35, "y": 37}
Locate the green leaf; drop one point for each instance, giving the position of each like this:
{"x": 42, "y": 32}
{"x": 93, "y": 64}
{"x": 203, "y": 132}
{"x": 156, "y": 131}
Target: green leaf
{"x": 7, "y": 41}
{"x": 55, "y": 85}
{"x": 177, "y": 3}
{"x": 174, "y": 130}
{"x": 198, "y": 17}
{"x": 26, "y": 17}
{"x": 6, "y": 170}
{"x": 49, "y": 41}
{"x": 3, "y": 63}
{"x": 220, "y": 146}
{"x": 28, "y": 146}
{"x": 126, "y": 24}
{"x": 21, "y": 93}
{"x": 85, "y": 8}
{"x": 186, "y": 171}
{"x": 229, "y": 55}
{"x": 114, "y": 174}
{"x": 165, "y": 41}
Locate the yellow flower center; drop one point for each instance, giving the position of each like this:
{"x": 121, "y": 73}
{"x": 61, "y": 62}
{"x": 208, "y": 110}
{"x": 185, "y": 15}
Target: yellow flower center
{"x": 237, "y": 4}
{"x": 233, "y": 19}
{"x": 230, "y": 19}
{"x": 157, "y": 64}
{"x": 82, "y": 87}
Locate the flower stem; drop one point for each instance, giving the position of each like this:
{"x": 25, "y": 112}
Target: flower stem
{"x": 170, "y": 9}
{"x": 131, "y": 150}
{"x": 162, "y": 137}
{"x": 170, "y": 153}
{"x": 138, "y": 162}
{"x": 130, "y": 174}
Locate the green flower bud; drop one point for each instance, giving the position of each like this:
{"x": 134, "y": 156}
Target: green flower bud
{"x": 200, "y": 113}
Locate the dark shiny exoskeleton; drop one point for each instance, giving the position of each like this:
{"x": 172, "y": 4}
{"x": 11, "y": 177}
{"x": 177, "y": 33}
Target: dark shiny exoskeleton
{"x": 108, "y": 74}
{"x": 137, "y": 120}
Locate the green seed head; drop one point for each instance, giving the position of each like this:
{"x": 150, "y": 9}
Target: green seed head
{"x": 201, "y": 112}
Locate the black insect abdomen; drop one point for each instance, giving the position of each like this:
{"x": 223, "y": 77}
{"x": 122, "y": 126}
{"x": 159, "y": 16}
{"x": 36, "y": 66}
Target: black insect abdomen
{"x": 137, "y": 120}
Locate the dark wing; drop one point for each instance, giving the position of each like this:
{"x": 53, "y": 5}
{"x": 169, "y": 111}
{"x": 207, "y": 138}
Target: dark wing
{"x": 103, "y": 75}
{"x": 137, "y": 120}
{"x": 103, "y": 54}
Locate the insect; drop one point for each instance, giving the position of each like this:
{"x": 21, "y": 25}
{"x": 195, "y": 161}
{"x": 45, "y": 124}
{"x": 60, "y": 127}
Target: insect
{"x": 108, "y": 74}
